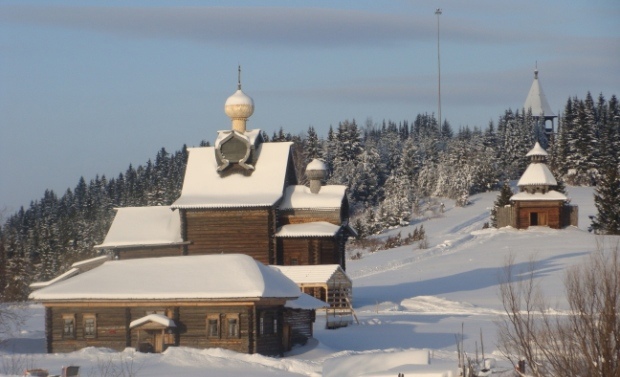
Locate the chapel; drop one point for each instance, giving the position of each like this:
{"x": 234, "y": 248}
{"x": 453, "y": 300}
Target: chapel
{"x": 538, "y": 203}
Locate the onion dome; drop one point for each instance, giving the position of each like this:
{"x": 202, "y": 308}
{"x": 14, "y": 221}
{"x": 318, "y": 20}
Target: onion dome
{"x": 239, "y": 107}
{"x": 316, "y": 171}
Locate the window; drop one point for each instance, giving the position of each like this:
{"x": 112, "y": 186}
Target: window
{"x": 68, "y": 329}
{"x": 232, "y": 323}
{"x": 268, "y": 323}
{"x": 90, "y": 326}
{"x": 213, "y": 326}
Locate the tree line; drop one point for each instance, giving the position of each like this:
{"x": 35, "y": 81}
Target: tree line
{"x": 391, "y": 169}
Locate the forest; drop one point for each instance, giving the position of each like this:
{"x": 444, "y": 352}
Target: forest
{"x": 391, "y": 169}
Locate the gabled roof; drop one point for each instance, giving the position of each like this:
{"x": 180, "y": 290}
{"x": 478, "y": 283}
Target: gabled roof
{"x": 156, "y": 318}
{"x": 537, "y": 101}
{"x": 322, "y": 273}
{"x": 537, "y": 174}
{"x": 204, "y": 187}
{"x": 549, "y": 195}
{"x": 143, "y": 226}
{"x": 313, "y": 229}
{"x": 202, "y": 277}
{"x": 299, "y": 197}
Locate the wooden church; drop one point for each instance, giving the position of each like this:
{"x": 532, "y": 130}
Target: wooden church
{"x": 241, "y": 196}
{"x": 197, "y": 273}
{"x": 538, "y": 203}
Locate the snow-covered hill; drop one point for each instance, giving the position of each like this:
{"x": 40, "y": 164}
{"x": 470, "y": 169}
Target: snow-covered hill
{"x": 406, "y": 299}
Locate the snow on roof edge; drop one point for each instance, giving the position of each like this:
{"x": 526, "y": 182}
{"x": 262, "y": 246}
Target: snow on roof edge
{"x": 42, "y": 284}
{"x": 306, "y": 302}
{"x": 159, "y": 318}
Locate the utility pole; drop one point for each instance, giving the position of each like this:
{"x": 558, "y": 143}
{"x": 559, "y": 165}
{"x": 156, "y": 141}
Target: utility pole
{"x": 438, "y": 13}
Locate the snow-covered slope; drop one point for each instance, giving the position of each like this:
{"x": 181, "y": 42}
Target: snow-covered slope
{"x": 406, "y": 299}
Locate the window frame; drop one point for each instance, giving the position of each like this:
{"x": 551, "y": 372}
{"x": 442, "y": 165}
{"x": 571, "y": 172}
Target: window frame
{"x": 65, "y": 318}
{"x": 216, "y": 318}
{"x": 89, "y": 317}
{"x": 236, "y": 334}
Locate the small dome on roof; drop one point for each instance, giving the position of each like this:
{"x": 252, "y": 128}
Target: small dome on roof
{"x": 537, "y": 151}
{"x": 239, "y": 105}
{"x": 316, "y": 164}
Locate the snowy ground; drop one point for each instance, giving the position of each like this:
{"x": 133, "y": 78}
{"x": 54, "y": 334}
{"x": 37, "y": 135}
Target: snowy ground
{"x": 406, "y": 300}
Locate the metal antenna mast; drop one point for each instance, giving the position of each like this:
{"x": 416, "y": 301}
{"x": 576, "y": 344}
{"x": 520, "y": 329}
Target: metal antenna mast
{"x": 438, "y": 13}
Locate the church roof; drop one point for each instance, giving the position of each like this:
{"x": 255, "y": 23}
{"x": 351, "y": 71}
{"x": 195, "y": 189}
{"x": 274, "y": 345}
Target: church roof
{"x": 313, "y": 229}
{"x": 537, "y": 174}
{"x": 143, "y": 226}
{"x": 204, "y": 187}
{"x": 537, "y": 151}
{"x": 549, "y": 195}
{"x": 537, "y": 101}
{"x": 300, "y": 197}
{"x": 201, "y": 277}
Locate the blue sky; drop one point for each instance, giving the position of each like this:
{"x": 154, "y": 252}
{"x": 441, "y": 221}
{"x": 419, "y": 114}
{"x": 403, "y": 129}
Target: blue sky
{"x": 88, "y": 87}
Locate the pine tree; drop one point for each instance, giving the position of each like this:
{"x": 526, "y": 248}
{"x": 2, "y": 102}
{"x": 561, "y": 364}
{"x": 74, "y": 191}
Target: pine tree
{"x": 607, "y": 202}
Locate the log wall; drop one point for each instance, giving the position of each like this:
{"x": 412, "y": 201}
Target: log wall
{"x": 244, "y": 231}
{"x": 310, "y": 251}
{"x": 301, "y": 324}
{"x": 300, "y": 216}
{"x": 111, "y": 329}
{"x": 270, "y": 341}
{"x": 192, "y": 328}
{"x": 550, "y": 209}
{"x": 148, "y": 252}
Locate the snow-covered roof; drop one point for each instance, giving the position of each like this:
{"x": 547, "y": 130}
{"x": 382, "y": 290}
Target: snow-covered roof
{"x": 549, "y": 195}
{"x": 314, "y": 229}
{"x": 300, "y": 197}
{"x": 87, "y": 263}
{"x": 537, "y": 174}
{"x": 537, "y": 151}
{"x": 306, "y": 302}
{"x": 322, "y": 273}
{"x": 536, "y": 100}
{"x": 143, "y": 226}
{"x": 157, "y": 318}
{"x": 42, "y": 284}
{"x": 201, "y": 277}
{"x": 204, "y": 187}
